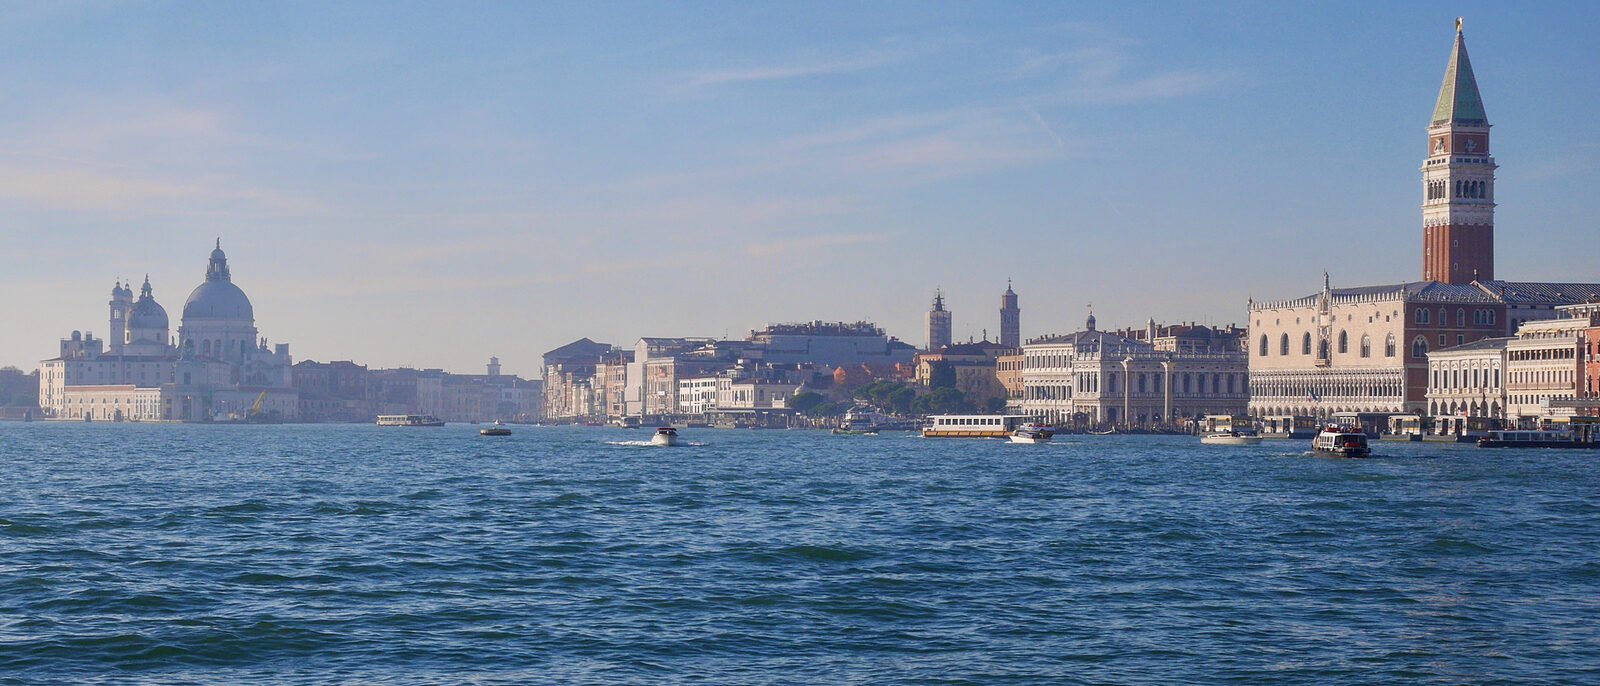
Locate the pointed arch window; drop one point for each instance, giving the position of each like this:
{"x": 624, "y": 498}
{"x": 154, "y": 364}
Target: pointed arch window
{"x": 1283, "y": 345}
{"x": 1263, "y": 345}
{"x": 1461, "y": 316}
{"x": 1421, "y": 316}
{"x": 1344, "y": 343}
{"x": 1388, "y": 346}
{"x": 1419, "y": 348}
{"x": 1305, "y": 344}
{"x": 1366, "y": 346}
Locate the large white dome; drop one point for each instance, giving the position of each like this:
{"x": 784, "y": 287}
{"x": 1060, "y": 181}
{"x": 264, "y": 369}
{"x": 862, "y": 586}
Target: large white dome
{"x": 218, "y": 298}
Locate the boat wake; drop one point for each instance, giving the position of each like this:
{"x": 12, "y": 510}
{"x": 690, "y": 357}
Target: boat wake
{"x": 648, "y": 444}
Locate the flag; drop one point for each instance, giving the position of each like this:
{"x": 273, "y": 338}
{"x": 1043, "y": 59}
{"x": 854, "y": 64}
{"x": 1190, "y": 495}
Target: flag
{"x": 1313, "y": 397}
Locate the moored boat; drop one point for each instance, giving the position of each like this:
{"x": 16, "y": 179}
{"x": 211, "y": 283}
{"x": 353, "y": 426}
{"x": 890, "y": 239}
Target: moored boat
{"x": 1229, "y": 438}
{"x": 973, "y": 425}
{"x": 1341, "y": 441}
{"x": 665, "y": 436}
{"x": 1033, "y": 432}
{"x": 499, "y": 429}
{"x": 1550, "y": 438}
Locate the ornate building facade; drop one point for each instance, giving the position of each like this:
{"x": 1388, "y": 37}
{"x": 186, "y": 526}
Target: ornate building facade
{"x": 1097, "y": 378}
{"x": 1366, "y": 349}
{"x": 214, "y": 369}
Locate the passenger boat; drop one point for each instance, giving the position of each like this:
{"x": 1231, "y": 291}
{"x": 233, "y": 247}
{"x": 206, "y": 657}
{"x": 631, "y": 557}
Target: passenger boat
{"x": 1342, "y": 441}
{"x": 665, "y": 436}
{"x": 858, "y": 422}
{"x": 499, "y": 429}
{"x": 1550, "y": 438}
{"x": 973, "y": 425}
{"x": 409, "y": 420}
{"x": 1033, "y": 432}
{"x": 1107, "y": 432}
{"x": 1229, "y": 438}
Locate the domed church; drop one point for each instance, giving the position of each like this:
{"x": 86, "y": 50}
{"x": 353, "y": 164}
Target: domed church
{"x": 215, "y": 369}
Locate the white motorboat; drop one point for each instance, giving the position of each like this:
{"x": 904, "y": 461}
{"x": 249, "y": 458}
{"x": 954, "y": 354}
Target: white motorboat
{"x": 665, "y": 436}
{"x": 1229, "y": 438}
{"x": 1032, "y": 433}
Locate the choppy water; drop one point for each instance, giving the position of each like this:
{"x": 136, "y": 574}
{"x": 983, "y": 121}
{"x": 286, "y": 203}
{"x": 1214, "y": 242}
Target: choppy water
{"x": 358, "y": 554}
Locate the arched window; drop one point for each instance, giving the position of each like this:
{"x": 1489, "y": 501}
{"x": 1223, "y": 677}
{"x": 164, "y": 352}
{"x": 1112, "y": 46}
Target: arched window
{"x": 1421, "y": 315}
{"x": 1263, "y": 345}
{"x": 1305, "y": 344}
{"x": 1366, "y": 345}
{"x": 1283, "y": 345}
{"x": 1419, "y": 348}
{"x": 1344, "y": 343}
{"x": 1322, "y": 349}
{"x": 1461, "y": 316}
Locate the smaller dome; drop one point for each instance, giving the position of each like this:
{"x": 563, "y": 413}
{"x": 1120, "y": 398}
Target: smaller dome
{"x": 148, "y": 314}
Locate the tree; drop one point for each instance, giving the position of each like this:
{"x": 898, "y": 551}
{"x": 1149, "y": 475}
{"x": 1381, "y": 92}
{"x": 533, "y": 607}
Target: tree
{"x": 942, "y": 374}
{"x": 806, "y": 401}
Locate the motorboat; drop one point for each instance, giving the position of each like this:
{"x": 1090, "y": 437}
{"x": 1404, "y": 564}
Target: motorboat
{"x": 1032, "y": 433}
{"x": 665, "y": 436}
{"x": 409, "y": 420}
{"x": 1229, "y": 438}
{"x": 1341, "y": 441}
{"x": 499, "y": 429}
{"x": 859, "y": 421}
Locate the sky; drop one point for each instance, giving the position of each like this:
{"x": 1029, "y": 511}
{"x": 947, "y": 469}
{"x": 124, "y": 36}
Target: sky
{"x": 430, "y": 184}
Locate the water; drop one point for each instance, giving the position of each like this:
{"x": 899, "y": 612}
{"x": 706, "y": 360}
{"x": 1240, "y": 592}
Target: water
{"x": 284, "y": 554}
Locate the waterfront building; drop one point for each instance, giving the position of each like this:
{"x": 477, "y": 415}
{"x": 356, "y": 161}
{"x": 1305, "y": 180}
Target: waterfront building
{"x": 1467, "y": 381}
{"x": 216, "y": 367}
{"x": 1010, "y": 319}
{"x": 1097, "y": 378}
{"x": 938, "y": 323}
{"x": 1544, "y": 365}
{"x": 832, "y": 344}
{"x": 1008, "y": 372}
{"x": 569, "y": 379}
{"x": 1365, "y": 349}
{"x": 332, "y": 391}
{"x": 973, "y": 368}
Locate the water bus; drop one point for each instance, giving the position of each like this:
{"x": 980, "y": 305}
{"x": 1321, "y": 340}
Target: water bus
{"x": 409, "y": 420}
{"x": 859, "y": 421}
{"x": 1579, "y": 433}
{"x": 1289, "y": 426}
{"x": 973, "y": 425}
{"x": 1228, "y": 429}
{"x": 1341, "y": 441}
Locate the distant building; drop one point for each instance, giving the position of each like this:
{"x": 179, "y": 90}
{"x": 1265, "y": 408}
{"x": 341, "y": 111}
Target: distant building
{"x": 215, "y": 368}
{"x": 832, "y": 344}
{"x": 569, "y": 379}
{"x": 1010, "y": 319}
{"x": 1467, "y": 381}
{"x": 1096, "y": 378}
{"x": 973, "y": 368}
{"x": 938, "y": 323}
{"x": 1366, "y": 349}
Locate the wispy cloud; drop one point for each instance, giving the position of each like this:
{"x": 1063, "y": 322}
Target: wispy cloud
{"x": 1097, "y": 68}
{"x": 790, "y": 246}
{"x": 803, "y": 69}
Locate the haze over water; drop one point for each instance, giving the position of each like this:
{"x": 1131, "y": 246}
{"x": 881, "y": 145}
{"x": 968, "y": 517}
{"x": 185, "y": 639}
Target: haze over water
{"x": 308, "y": 554}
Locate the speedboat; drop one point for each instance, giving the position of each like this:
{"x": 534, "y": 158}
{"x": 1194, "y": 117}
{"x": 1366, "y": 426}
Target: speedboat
{"x": 1341, "y": 441}
{"x": 1032, "y": 433}
{"x": 665, "y": 436}
{"x": 1229, "y": 438}
{"x": 499, "y": 429}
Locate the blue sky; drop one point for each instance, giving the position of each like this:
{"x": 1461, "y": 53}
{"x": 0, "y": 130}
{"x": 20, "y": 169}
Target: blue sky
{"x": 432, "y": 184}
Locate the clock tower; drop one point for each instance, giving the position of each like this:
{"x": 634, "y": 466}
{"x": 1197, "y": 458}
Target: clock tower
{"x": 1458, "y": 180}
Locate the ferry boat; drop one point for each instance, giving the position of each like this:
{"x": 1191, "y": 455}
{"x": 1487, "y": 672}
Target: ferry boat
{"x": 1229, "y": 438}
{"x": 409, "y": 420}
{"x": 973, "y": 425}
{"x": 858, "y": 422}
{"x": 665, "y": 436}
{"x": 499, "y": 429}
{"x": 1342, "y": 441}
{"x": 1549, "y": 438}
{"x": 1032, "y": 432}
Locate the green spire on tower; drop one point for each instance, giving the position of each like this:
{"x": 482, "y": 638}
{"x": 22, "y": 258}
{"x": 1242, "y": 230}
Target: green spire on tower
{"x": 1459, "y": 102}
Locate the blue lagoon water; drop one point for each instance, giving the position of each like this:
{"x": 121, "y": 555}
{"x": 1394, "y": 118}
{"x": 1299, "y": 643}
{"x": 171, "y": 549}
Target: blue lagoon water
{"x": 317, "y": 554}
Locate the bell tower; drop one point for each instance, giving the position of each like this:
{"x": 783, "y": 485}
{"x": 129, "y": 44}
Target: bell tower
{"x": 1458, "y": 180}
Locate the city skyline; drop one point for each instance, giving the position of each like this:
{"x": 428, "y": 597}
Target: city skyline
{"x": 364, "y": 238}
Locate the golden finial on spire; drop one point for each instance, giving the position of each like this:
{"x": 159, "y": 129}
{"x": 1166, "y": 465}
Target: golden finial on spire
{"x": 1458, "y": 24}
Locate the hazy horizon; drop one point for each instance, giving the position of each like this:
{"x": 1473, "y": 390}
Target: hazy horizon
{"x": 428, "y": 186}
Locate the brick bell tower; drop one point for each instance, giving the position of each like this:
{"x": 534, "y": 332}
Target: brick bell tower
{"x": 1458, "y": 180}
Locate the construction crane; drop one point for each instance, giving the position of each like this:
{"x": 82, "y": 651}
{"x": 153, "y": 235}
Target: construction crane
{"x": 255, "y": 409}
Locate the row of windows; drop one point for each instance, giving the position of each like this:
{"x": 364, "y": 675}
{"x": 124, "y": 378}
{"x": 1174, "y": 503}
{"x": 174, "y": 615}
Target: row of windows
{"x": 1439, "y": 190}
{"x": 1545, "y": 354}
{"x": 1344, "y": 345}
{"x": 1462, "y": 378}
{"x": 1480, "y": 317}
{"x": 1182, "y": 384}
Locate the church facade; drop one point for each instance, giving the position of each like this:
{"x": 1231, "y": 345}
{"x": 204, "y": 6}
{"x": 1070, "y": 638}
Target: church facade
{"x": 1365, "y": 349}
{"x": 215, "y": 368}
